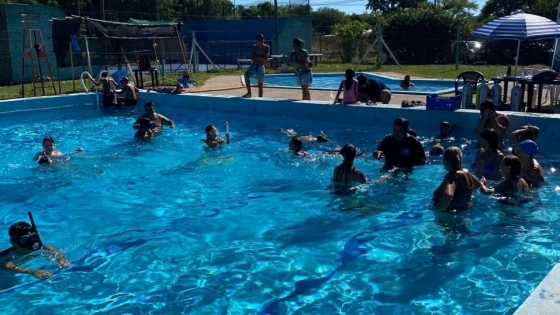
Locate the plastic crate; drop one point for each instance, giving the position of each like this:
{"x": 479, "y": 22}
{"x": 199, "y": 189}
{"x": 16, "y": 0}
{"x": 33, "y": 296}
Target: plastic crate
{"x": 436, "y": 102}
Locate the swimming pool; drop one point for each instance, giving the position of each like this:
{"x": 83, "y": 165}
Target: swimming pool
{"x": 331, "y": 81}
{"x": 167, "y": 227}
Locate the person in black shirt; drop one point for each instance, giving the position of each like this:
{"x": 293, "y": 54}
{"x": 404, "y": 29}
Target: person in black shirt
{"x": 373, "y": 90}
{"x": 401, "y": 150}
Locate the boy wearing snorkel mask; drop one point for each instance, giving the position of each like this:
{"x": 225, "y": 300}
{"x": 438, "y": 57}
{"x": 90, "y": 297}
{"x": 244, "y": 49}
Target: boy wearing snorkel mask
{"x": 25, "y": 239}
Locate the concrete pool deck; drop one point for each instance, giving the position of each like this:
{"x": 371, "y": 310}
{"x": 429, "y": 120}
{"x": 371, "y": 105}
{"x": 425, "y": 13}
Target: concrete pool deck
{"x": 231, "y": 85}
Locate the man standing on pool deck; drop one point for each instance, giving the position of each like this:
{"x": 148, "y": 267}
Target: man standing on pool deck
{"x": 156, "y": 120}
{"x": 259, "y": 55}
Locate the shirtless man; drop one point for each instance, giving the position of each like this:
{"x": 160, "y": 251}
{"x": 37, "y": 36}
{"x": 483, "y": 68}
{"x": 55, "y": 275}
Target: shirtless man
{"x": 490, "y": 119}
{"x": 108, "y": 88}
{"x": 129, "y": 90}
{"x": 156, "y": 120}
{"x": 259, "y": 56}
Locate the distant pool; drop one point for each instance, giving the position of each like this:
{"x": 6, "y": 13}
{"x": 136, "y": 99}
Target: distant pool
{"x": 331, "y": 81}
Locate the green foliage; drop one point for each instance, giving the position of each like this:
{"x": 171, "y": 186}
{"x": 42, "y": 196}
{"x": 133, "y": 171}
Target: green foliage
{"x": 423, "y": 35}
{"x": 351, "y": 36}
{"x": 324, "y": 19}
{"x": 387, "y": 6}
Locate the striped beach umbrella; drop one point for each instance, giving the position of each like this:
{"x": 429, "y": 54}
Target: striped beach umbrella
{"x": 519, "y": 27}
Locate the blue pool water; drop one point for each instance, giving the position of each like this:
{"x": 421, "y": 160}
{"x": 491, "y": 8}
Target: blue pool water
{"x": 166, "y": 227}
{"x": 331, "y": 81}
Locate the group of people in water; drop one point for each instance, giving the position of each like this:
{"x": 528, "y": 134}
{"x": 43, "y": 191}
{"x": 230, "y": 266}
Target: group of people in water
{"x": 401, "y": 151}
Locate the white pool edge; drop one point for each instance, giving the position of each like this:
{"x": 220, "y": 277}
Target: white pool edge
{"x": 545, "y": 299}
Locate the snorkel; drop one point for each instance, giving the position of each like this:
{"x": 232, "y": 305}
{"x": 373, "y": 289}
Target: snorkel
{"x": 35, "y": 230}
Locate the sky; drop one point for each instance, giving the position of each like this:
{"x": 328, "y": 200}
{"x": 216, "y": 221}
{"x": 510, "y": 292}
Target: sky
{"x": 347, "y": 6}
{"x": 358, "y": 6}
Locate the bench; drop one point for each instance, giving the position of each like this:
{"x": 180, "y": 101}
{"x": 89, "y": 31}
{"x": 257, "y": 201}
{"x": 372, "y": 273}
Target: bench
{"x": 240, "y": 62}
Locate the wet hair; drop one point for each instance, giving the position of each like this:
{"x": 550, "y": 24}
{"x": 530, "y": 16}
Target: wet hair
{"x": 436, "y": 150}
{"x": 104, "y": 74}
{"x": 444, "y": 124}
{"x": 407, "y": 77}
{"x": 487, "y": 104}
{"x": 48, "y": 138}
{"x": 490, "y": 136}
{"x": 298, "y": 42}
{"x": 149, "y": 103}
{"x": 20, "y": 229}
{"x": 260, "y": 36}
{"x": 124, "y": 79}
{"x": 348, "y": 151}
{"x": 454, "y": 158}
{"x": 401, "y": 122}
{"x": 210, "y": 128}
{"x": 350, "y": 73}
{"x": 528, "y": 134}
{"x": 298, "y": 144}
{"x": 514, "y": 163}
{"x": 322, "y": 138}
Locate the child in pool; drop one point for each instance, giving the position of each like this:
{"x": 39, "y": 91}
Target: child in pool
{"x": 24, "y": 240}
{"x": 296, "y": 146}
{"x": 513, "y": 184}
{"x": 406, "y": 83}
{"x": 212, "y": 138}
{"x": 322, "y": 137}
{"x": 144, "y": 131}
{"x": 46, "y": 156}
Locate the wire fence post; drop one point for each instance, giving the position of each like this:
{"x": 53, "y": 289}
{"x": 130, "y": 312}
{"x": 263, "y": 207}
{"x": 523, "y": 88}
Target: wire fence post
{"x": 457, "y": 47}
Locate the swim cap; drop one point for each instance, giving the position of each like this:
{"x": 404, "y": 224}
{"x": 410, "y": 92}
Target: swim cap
{"x": 530, "y": 147}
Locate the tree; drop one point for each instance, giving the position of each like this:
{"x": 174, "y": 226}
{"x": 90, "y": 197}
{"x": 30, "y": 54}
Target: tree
{"x": 387, "y": 6}
{"x": 324, "y": 19}
{"x": 498, "y": 8}
{"x": 351, "y": 36}
{"x": 460, "y": 8}
{"x": 424, "y": 35}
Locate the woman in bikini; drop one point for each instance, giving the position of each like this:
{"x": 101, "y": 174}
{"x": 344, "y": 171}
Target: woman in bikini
{"x": 346, "y": 173}
{"x": 455, "y": 191}
{"x": 488, "y": 157}
{"x": 531, "y": 171}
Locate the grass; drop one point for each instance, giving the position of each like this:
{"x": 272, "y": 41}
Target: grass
{"x": 422, "y": 71}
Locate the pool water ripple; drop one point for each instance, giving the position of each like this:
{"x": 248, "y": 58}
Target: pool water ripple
{"x": 165, "y": 226}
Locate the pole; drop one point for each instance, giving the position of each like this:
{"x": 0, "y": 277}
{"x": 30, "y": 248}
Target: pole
{"x": 157, "y": 10}
{"x": 517, "y": 58}
{"x": 379, "y": 45}
{"x": 277, "y": 49}
{"x": 78, "y": 12}
{"x": 457, "y": 47}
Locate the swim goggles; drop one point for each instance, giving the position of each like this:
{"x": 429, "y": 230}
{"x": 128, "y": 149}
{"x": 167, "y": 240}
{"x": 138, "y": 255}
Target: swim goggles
{"x": 26, "y": 241}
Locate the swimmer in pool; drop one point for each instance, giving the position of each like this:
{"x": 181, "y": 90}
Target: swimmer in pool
{"x": 144, "y": 131}
{"x": 346, "y": 173}
{"x": 513, "y": 184}
{"x": 436, "y": 150}
{"x": 488, "y": 157}
{"x": 48, "y": 154}
{"x": 296, "y": 146}
{"x": 24, "y": 240}
{"x": 321, "y": 138}
{"x": 531, "y": 170}
{"x": 212, "y": 138}
{"x": 445, "y": 130}
{"x": 455, "y": 191}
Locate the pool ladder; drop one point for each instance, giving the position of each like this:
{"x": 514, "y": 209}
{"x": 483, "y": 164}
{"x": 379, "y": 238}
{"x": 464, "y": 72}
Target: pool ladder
{"x": 87, "y": 90}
